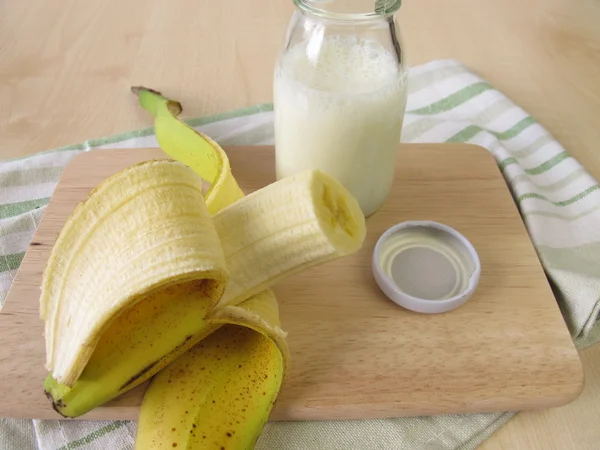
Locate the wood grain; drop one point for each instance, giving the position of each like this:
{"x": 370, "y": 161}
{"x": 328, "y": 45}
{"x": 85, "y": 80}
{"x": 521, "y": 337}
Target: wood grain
{"x": 355, "y": 353}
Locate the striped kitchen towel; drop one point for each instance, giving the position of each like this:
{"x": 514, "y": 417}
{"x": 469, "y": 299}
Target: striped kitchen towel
{"x": 558, "y": 199}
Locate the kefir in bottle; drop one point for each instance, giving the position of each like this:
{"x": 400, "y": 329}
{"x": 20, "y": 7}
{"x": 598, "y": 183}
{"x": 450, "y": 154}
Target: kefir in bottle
{"x": 340, "y": 95}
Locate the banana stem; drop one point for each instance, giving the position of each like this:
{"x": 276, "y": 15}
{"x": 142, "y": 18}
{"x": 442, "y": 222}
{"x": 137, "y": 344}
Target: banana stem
{"x": 151, "y": 100}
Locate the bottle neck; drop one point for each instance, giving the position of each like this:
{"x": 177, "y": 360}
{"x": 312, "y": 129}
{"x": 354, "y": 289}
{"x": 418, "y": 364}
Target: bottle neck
{"x": 349, "y": 10}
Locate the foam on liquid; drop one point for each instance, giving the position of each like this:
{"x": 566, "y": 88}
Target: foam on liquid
{"x": 339, "y": 107}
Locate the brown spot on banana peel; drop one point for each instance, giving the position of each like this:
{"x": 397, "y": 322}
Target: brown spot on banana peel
{"x": 56, "y": 405}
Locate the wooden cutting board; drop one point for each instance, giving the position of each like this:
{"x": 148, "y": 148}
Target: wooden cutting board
{"x": 355, "y": 353}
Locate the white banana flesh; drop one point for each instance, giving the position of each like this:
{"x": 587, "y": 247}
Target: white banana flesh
{"x": 290, "y": 225}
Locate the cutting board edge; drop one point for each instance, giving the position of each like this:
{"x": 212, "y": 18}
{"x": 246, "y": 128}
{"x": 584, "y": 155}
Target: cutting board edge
{"x": 357, "y": 411}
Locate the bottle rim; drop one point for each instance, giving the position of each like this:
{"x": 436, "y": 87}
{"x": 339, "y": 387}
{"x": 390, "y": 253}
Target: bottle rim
{"x": 381, "y": 8}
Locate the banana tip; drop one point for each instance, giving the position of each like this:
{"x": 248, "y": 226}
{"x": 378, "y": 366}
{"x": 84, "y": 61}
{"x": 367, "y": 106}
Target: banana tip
{"x": 137, "y": 89}
{"x": 56, "y": 405}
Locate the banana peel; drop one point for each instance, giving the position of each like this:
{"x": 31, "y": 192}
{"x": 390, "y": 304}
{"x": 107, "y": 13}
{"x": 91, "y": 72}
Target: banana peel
{"x": 135, "y": 347}
{"x": 223, "y": 390}
{"x": 194, "y": 149}
{"x": 219, "y": 394}
{"x": 82, "y": 295}
{"x": 260, "y": 313}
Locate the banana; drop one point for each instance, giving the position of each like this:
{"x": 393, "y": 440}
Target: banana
{"x": 284, "y": 228}
{"x": 140, "y": 232}
{"x": 290, "y": 225}
{"x": 279, "y": 230}
{"x": 220, "y": 393}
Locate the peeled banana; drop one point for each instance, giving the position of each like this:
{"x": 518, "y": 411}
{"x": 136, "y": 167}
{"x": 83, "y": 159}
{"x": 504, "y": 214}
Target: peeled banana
{"x": 290, "y": 225}
{"x": 177, "y": 277}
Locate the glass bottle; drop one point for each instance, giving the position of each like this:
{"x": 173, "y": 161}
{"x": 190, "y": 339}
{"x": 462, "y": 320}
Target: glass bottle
{"x": 340, "y": 95}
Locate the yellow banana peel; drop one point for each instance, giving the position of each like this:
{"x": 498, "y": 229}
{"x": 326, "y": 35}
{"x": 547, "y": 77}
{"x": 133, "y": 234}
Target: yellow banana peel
{"x": 102, "y": 265}
{"x": 137, "y": 345}
{"x": 219, "y": 394}
{"x": 194, "y": 149}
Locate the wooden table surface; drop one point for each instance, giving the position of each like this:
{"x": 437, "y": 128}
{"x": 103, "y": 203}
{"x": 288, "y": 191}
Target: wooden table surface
{"x": 65, "y": 71}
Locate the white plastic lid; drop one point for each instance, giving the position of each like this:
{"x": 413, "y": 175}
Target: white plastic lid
{"x": 426, "y": 266}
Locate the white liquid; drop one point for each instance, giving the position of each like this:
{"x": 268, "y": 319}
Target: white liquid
{"x": 340, "y": 109}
